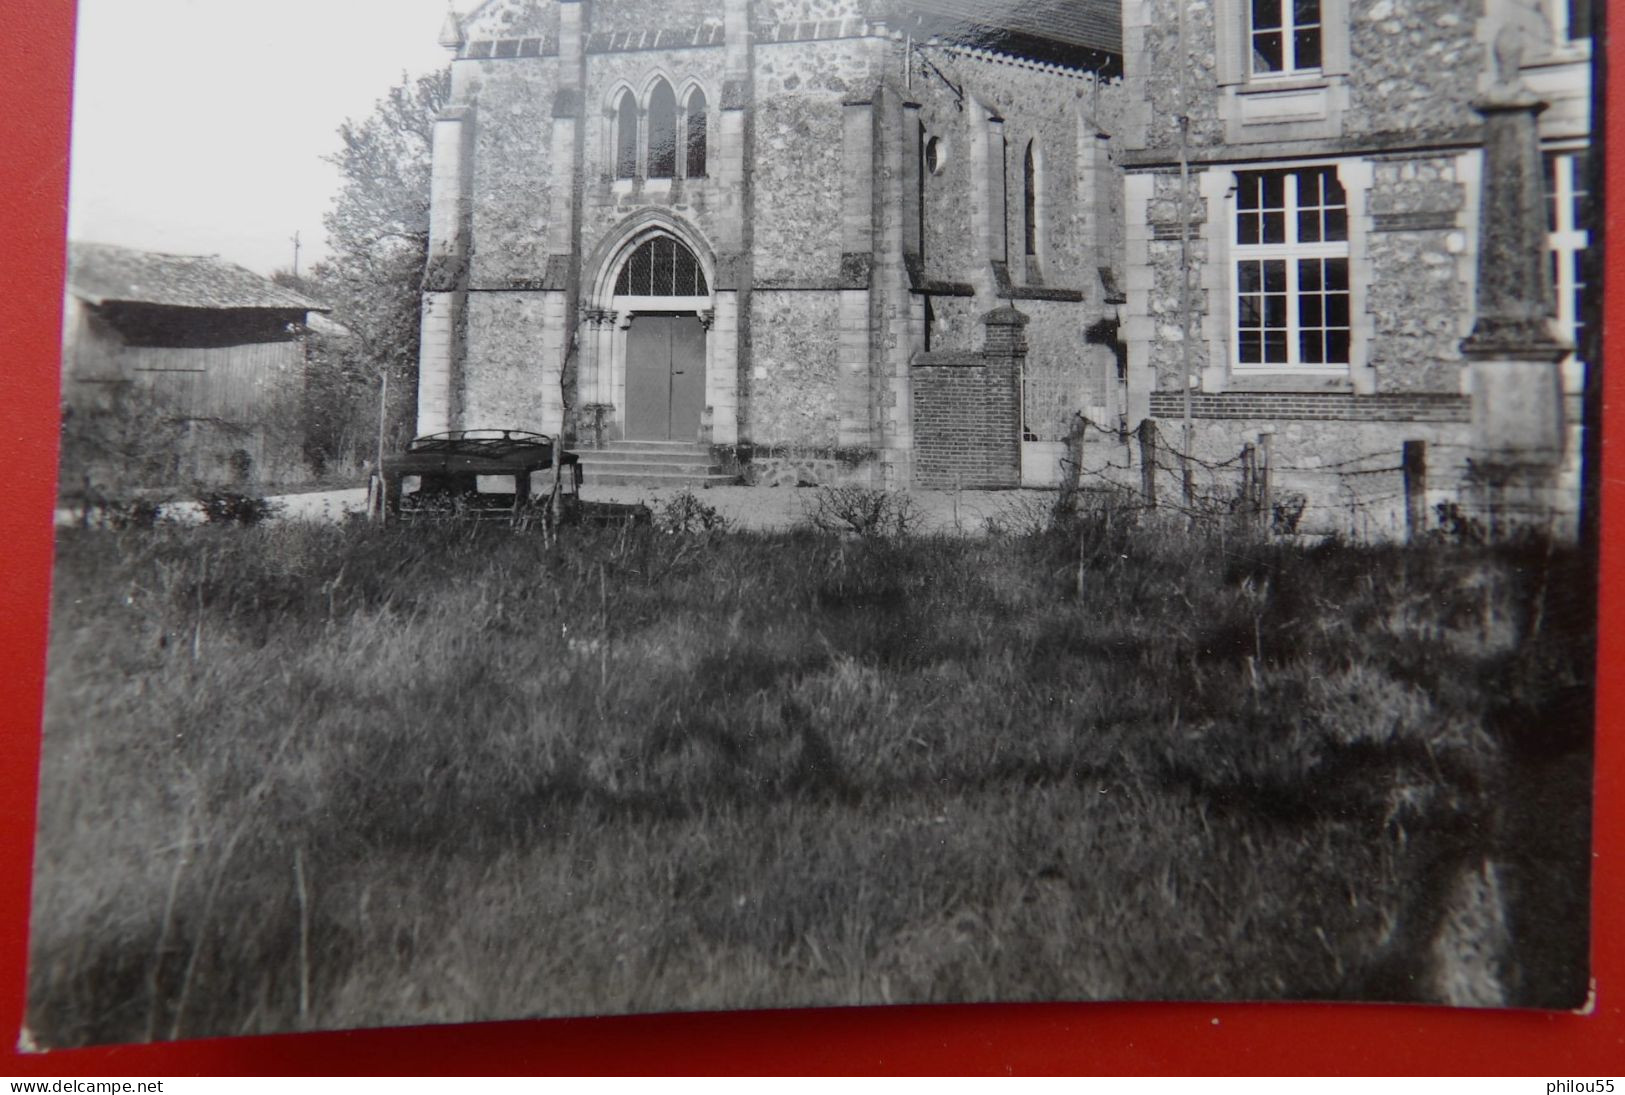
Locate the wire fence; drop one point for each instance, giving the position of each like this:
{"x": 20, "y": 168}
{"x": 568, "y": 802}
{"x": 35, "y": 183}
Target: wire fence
{"x": 1415, "y": 489}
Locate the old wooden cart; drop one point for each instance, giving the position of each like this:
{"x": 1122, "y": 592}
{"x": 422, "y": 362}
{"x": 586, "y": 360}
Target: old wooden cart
{"x": 488, "y": 475}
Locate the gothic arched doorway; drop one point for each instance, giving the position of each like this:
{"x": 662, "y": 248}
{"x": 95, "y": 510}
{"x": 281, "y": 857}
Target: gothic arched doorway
{"x": 662, "y": 295}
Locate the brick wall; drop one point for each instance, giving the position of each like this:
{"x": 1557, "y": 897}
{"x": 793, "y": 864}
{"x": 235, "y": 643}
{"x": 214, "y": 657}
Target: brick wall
{"x": 965, "y": 423}
{"x": 967, "y": 409}
{"x": 1420, "y": 407}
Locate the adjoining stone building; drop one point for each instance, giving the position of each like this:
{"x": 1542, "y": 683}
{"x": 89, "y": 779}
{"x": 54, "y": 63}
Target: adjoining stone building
{"x": 871, "y": 240}
{"x": 1336, "y": 152}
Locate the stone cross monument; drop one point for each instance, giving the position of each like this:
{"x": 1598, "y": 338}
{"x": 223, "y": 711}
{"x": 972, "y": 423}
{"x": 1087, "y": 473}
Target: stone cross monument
{"x": 1518, "y": 427}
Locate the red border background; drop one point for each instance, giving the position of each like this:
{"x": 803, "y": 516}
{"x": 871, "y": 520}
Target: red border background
{"x": 36, "y": 52}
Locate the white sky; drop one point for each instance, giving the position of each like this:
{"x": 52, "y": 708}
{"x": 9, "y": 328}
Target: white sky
{"x": 199, "y": 125}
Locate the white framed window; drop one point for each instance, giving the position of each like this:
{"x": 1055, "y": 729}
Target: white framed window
{"x": 1290, "y": 260}
{"x": 1567, "y": 236}
{"x": 1285, "y": 37}
{"x": 1571, "y": 20}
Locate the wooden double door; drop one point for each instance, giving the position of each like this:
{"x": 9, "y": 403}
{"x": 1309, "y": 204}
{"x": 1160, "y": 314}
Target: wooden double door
{"x": 665, "y": 378}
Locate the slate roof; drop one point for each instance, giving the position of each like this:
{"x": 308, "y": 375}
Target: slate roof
{"x": 99, "y": 273}
{"x": 1095, "y": 25}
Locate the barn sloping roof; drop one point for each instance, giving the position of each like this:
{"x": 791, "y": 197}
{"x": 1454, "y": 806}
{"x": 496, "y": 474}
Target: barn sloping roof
{"x": 99, "y": 273}
{"x": 1095, "y": 25}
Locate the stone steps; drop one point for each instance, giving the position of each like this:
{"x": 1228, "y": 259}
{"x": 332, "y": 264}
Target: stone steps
{"x": 644, "y": 455}
{"x": 652, "y": 446}
{"x": 653, "y": 464}
{"x": 594, "y": 478}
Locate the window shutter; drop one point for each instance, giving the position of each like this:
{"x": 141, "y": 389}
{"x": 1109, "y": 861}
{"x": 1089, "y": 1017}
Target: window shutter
{"x": 1231, "y": 48}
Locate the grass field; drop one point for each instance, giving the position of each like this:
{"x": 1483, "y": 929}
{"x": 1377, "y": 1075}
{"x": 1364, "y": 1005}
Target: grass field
{"x": 300, "y": 776}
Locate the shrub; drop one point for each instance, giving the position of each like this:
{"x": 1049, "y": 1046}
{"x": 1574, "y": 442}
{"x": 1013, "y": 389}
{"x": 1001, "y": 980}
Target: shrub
{"x": 1026, "y": 515}
{"x": 1458, "y": 526}
{"x": 128, "y": 513}
{"x": 1288, "y": 513}
{"x": 224, "y": 507}
{"x": 684, "y": 513}
{"x": 864, "y": 511}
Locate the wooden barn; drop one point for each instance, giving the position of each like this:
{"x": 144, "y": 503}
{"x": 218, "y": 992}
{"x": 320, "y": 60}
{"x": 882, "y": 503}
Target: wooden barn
{"x": 179, "y": 370}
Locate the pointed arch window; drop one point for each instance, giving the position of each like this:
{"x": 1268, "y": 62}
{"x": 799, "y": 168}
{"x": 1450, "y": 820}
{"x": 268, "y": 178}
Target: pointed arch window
{"x": 662, "y": 131}
{"x": 1029, "y": 191}
{"x": 626, "y": 137}
{"x": 662, "y": 267}
{"x": 695, "y": 134}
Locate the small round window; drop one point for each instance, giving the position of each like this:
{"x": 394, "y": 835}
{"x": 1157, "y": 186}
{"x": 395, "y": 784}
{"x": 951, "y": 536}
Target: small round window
{"x": 936, "y": 155}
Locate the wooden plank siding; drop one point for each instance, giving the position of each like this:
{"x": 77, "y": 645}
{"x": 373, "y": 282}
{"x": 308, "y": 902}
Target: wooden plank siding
{"x": 221, "y": 414}
{"x": 232, "y": 383}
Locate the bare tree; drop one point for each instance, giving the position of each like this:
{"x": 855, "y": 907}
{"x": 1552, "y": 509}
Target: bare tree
{"x": 378, "y": 239}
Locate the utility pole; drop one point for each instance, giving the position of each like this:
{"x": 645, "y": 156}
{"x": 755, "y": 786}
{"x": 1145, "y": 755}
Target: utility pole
{"x": 296, "y": 256}
{"x": 1188, "y": 431}
{"x": 383, "y": 418}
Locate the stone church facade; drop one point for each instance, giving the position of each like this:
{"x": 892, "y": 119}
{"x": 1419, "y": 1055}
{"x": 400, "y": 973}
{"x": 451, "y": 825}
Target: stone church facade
{"x": 916, "y": 242}
{"x": 794, "y": 231}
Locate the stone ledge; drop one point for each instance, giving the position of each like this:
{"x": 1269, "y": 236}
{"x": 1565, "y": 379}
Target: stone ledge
{"x": 1008, "y": 290}
{"x": 1286, "y": 383}
{"x": 1374, "y": 144}
{"x": 918, "y": 282}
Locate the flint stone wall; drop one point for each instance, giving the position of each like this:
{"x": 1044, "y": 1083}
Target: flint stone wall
{"x": 791, "y": 388}
{"x": 796, "y": 169}
{"x": 508, "y": 384}
{"x": 1418, "y": 296}
{"x": 1414, "y": 67}
{"x": 513, "y": 176}
{"x": 513, "y": 19}
{"x": 667, "y": 14}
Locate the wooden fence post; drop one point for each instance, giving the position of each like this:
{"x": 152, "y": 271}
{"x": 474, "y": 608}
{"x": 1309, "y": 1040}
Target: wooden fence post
{"x": 1249, "y": 476}
{"x": 1187, "y": 480}
{"x": 1148, "y": 461}
{"x": 1072, "y": 477}
{"x": 1414, "y": 466}
{"x": 1266, "y": 499}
